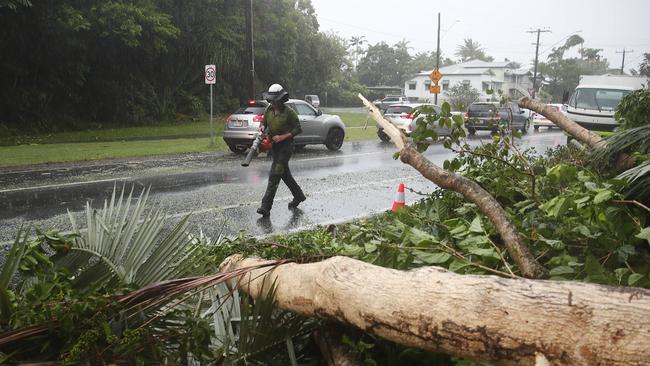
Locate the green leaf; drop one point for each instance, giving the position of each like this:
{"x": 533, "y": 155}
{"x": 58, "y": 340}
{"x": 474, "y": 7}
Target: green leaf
{"x": 603, "y": 196}
{"x": 446, "y": 109}
{"x": 473, "y": 241}
{"x": 555, "y": 244}
{"x": 634, "y": 278}
{"x": 644, "y": 234}
{"x": 457, "y": 264}
{"x": 369, "y": 247}
{"x": 487, "y": 253}
{"x": 431, "y": 258}
{"x": 420, "y": 238}
{"x": 625, "y": 251}
{"x": 561, "y": 270}
{"x": 476, "y": 226}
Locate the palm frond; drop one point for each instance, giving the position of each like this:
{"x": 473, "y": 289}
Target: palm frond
{"x": 12, "y": 261}
{"x": 626, "y": 141}
{"x": 129, "y": 241}
{"x": 638, "y": 179}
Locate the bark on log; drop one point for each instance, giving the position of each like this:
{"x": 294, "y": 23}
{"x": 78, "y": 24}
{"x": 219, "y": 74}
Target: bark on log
{"x": 484, "y": 318}
{"x": 580, "y": 133}
{"x": 517, "y": 249}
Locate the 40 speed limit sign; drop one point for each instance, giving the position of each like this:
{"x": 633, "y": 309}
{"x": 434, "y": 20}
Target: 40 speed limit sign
{"x": 210, "y": 74}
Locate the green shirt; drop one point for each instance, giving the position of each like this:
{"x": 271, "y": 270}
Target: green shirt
{"x": 281, "y": 122}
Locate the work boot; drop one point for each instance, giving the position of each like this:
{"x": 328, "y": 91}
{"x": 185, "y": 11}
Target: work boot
{"x": 295, "y": 202}
{"x": 264, "y": 212}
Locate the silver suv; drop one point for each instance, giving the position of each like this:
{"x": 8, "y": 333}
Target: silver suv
{"x": 317, "y": 128}
{"x": 383, "y": 104}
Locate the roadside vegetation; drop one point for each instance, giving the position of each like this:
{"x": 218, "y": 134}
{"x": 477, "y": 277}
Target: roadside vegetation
{"x": 127, "y": 142}
{"x": 94, "y": 297}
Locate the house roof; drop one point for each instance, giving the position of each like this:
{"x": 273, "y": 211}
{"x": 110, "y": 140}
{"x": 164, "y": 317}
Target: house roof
{"x": 475, "y": 67}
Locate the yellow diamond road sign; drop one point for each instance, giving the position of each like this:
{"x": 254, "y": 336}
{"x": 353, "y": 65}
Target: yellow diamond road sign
{"x": 435, "y": 76}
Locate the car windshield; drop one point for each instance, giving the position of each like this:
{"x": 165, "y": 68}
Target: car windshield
{"x": 401, "y": 109}
{"x": 599, "y": 99}
{"x": 251, "y": 110}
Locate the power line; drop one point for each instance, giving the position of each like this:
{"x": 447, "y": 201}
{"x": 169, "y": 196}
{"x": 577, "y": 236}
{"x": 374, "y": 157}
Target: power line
{"x": 538, "y": 31}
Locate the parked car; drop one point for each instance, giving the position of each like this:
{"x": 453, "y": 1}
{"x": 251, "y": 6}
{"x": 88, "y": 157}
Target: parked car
{"x": 487, "y": 116}
{"x": 317, "y": 128}
{"x": 403, "y": 117}
{"x": 539, "y": 120}
{"x": 383, "y": 104}
{"x": 313, "y": 100}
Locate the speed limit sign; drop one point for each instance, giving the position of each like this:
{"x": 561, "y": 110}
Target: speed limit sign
{"x": 210, "y": 74}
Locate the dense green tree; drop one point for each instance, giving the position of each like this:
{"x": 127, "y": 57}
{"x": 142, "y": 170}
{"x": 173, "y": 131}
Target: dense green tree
{"x": 563, "y": 74}
{"x": 72, "y": 64}
{"x": 471, "y": 50}
{"x": 461, "y": 95}
{"x": 644, "y": 68}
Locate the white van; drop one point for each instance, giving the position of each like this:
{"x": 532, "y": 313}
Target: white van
{"x": 313, "y": 100}
{"x": 596, "y": 97}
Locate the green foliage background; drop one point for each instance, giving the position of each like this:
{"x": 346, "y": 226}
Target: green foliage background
{"x": 80, "y": 64}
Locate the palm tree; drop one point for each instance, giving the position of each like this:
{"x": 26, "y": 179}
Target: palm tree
{"x": 356, "y": 43}
{"x": 471, "y": 50}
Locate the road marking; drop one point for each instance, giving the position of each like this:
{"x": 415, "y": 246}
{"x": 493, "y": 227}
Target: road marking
{"x": 64, "y": 184}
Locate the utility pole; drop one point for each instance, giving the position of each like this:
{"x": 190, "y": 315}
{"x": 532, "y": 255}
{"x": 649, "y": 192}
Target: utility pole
{"x": 437, "y": 57}
{"x": 623, "y": 62}
{"x": 252, "y": 54}
{"x": 538, "y": 31}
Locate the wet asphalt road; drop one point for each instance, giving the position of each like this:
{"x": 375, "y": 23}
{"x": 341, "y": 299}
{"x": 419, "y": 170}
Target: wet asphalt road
{"x": 358, "y": 181}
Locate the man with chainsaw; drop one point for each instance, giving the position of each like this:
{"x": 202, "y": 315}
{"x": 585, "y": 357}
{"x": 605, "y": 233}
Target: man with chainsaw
{"x": 280, "y": 124}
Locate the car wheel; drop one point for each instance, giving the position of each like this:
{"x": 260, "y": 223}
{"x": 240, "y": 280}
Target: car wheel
{"x": 383, "y": 136}
{"x": 471, "y": 131}
{"x": 334, "y": 139}
{"x": 299, "y": 147}
{"x": 524, "y": 130}
{"x": 237, "y": 149}
{"x": 536, "y": 128}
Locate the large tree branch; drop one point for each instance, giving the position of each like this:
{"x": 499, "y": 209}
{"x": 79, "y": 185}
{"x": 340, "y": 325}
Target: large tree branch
{"x": 469, "y": 189}
{"x": 580, "y": 133}
{"x": 485, "y": 318}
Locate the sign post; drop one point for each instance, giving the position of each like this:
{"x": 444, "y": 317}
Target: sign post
{"x": 211, "y": 78}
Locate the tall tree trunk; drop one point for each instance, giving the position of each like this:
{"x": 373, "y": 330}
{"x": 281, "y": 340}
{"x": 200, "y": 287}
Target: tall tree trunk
{"x": 484, "y": 318}
{"x": 469, "y": 189}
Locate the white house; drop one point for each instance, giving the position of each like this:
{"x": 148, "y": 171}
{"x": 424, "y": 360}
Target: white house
{"x": 480, "y": 75}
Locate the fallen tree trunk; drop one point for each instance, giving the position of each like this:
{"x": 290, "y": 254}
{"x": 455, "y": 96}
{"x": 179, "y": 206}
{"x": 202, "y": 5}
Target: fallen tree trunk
{"x": 623, "y": 161}
{"x": 469, "y": 189}
{"x": 580, "y": 133}
{"x": 484, "y": 318}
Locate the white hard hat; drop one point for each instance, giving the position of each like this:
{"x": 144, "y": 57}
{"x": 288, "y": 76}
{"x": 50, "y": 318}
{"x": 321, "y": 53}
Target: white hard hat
{"x": 276, "y": 93}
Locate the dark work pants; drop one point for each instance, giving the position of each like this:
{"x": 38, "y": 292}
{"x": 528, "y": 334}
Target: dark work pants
{"x": 280, "y": 171}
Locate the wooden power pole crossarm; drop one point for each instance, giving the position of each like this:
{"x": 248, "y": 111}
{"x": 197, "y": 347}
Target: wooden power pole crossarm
{"x": 484, "y": 318}
{"x": 517, "y": 248}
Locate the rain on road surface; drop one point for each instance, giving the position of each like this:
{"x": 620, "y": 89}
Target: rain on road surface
{"x": 358, "y": 181}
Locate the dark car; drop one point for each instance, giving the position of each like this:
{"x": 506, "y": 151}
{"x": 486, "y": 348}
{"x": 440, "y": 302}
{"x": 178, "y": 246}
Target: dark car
{"x": 489, "y": 116}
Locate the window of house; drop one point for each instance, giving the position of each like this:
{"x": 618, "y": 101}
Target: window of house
{"x": 466, "y": 82}
{"x": 427, "y": 84}
{"x": 445, "y": 85}
{"x": 412, "y": 86}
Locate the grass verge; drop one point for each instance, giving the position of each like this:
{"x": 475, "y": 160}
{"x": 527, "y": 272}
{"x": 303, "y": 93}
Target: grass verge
{"x": 137, "y": 142}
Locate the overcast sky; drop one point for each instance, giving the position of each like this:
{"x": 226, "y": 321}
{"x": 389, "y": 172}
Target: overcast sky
{"x": 499, "y": 26}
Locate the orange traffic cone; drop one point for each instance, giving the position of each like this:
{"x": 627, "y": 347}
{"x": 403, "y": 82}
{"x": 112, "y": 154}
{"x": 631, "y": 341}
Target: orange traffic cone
{"x": 399, "y": 202}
